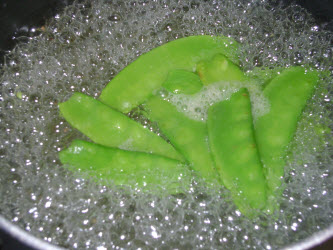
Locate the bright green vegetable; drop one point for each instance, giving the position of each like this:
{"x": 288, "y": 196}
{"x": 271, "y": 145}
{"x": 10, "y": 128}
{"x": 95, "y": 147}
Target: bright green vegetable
{"x": 231, "y": 137}
{"x": 111, "y": 128}
{"x": 217, "y": 69}
{"x": 188, "y": 136}
{"x": 182, "y": 82}
{"x": 232, "y": 141}
{"x": 123, "y": 167}
{"x": 136, "y": 83}
{"x": 287, "y": 94}
{"x": 250, "y": 176}
{"x": 264, "y": 75}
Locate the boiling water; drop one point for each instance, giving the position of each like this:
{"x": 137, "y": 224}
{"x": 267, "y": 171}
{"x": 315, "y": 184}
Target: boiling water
{"x": 81, "y": 50}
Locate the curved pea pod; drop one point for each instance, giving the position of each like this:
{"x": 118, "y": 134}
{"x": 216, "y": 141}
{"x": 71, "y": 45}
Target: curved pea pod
{"x": 182, "y": 82}
{"x": 233, "y": 145}
{"x": 136, "y": 83}
{"x": 288, "y": 94}
{"x": 188, "y": 136}
{"x": 134, "y": 169}
{"x": 109, "y": 127}
{"x": 219, "y": 68}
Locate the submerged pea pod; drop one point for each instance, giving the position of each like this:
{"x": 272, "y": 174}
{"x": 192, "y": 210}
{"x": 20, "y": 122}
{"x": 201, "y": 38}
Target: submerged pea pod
{"x": 188, "y": 136}
{"x": 135, "y": 169}
{"x": 109, "y": 127}
{"x": 233, "y": 145}
{"x": 288, "y": 94}
{"x": 231, "y": 137}
{"x": 136, "y": 83}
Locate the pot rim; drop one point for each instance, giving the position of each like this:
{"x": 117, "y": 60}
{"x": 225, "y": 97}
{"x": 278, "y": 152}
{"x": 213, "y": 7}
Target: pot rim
{"x": 34, "y": 242}
{"x": 24, "y": 237}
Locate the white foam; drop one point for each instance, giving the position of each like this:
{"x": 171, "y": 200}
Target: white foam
{"x": 196, "y": 106}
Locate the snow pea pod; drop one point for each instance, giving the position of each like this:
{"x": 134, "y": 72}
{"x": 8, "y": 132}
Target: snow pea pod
{"x": 136, "y": 82}
{"x": 219, "y": 68}
{"x": 288, "y": 94}
{"x": 182, "y": 82}
{"x": 109, "y": 127}
{"x": 232, "y": 141}
{"x": 231, "y": 137}
{"x": 135, "y": 169}
{"x": 188, "y": 136}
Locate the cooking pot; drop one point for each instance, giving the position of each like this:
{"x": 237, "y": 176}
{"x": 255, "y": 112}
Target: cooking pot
{"x": 17, "y": 19}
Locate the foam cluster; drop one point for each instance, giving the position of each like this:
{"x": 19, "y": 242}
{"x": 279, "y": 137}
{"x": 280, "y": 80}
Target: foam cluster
{"x": 196, "y": 106}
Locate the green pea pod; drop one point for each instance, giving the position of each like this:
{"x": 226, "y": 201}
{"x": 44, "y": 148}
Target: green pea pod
{"x": 109, "y": 127}
{"x": 136, "y": 83}
{"x": 135, "y": 169}
{"x": 188, "y": 136}
{"x": 219, "y": 68}
{"x": 287, "y": 94}
{"x": 233, "y": 145}
{"x": 231, "y": 137}
{"x": 182, "y": 82}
